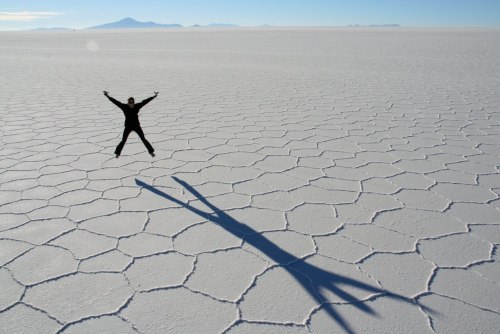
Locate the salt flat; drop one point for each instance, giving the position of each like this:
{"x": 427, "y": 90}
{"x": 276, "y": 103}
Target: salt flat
{"x": 306, "y": 181}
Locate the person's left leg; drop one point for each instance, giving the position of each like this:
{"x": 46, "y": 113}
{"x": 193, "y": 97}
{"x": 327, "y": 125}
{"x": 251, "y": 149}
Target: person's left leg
{"x": 140, "y": 133}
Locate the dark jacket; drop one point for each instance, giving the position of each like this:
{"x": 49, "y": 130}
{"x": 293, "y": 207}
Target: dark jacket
{"x": 131, "y": 114}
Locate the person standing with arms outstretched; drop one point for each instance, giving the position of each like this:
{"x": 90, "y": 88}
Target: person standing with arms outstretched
{"x": 131, "y": 111}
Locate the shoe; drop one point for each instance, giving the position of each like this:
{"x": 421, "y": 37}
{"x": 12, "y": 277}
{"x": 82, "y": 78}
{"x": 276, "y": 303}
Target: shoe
{"x": 117, "y": 156}
{"x": 152, "y": 154}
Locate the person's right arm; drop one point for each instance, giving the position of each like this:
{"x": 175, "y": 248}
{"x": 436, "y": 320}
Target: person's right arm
{"x": 116, "y": 102}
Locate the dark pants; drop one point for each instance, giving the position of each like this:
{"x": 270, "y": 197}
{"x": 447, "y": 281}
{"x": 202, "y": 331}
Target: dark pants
{"x": 140, "y": 133}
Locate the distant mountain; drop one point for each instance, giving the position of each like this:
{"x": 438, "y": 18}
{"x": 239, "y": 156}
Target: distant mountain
{"x": 53, "y": 28}
{"x": 374, "y": 25}
{"x": 215, "y": 25}
{"x": 128, "y": 23}
{"x": 221, "y": 25}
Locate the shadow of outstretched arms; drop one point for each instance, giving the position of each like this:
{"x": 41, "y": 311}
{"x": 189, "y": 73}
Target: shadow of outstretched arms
{"x": 313, "y": 279}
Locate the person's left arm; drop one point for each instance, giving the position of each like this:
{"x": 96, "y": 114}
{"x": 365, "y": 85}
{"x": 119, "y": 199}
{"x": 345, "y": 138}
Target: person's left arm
{"x": 146, "y": 101}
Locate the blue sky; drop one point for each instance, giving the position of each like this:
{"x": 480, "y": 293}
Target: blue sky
{"x": 24, "y": 14}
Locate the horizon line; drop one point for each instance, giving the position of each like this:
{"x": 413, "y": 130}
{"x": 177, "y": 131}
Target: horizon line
{"x": 387, "y": 26}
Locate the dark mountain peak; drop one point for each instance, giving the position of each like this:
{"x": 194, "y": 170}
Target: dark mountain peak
{"x": 128, "y": 19}
{"x": 128, "y": 22}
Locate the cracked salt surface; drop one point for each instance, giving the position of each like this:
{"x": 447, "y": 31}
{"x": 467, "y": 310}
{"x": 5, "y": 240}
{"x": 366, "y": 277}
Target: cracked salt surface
{"x": 317, "y": 188}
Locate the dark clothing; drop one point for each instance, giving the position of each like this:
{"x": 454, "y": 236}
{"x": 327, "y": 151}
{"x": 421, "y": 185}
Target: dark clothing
{"x": 132, "y": 122}
{"x": 131, "y": 114}
{"x": 139, "y": 132}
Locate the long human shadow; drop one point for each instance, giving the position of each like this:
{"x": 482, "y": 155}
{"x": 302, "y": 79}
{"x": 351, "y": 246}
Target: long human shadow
{"x": 313, "y": 279}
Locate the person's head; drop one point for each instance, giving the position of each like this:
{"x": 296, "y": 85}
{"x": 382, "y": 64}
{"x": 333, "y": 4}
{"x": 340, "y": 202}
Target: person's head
{"x": 131, "y": 102}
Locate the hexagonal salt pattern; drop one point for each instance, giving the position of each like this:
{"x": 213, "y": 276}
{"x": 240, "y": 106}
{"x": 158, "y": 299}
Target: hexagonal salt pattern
{"x": 103, "y": 324}
{"x": 205, "y": 313}
{"x": 306, "y": 181}
{"x": 50, "y": 262}
{"x": 24, "y": 319}
{"x": 10, "y": 290}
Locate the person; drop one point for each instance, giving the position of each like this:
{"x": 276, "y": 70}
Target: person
{"x": 131, "y": 111}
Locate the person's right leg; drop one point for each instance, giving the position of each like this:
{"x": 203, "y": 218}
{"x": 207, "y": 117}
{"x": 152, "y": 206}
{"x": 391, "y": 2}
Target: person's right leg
{"x": 119, "y": 148}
